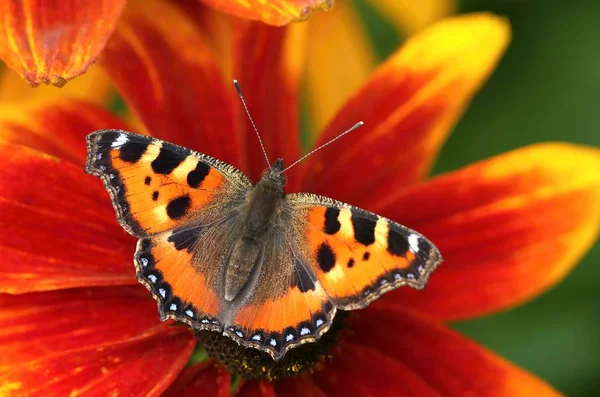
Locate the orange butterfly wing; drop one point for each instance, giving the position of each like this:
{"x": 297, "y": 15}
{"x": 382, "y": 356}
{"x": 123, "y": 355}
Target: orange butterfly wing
{"x": 164, "y": 194}
{"x": 357, "y": 255}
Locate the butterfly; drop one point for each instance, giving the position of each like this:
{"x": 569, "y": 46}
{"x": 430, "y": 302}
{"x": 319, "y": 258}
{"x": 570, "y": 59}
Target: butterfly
{"x": 265, "y": 268}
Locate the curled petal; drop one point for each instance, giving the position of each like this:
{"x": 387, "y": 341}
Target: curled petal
{"x": 206, "y": 379}
{"x": 272, "y": 12}
{"x": 268, "y": 62}
{"x": 57, "y": 227}
{"x": 363, "y": 371}
{"x": 508, "y": 227}
{"x": 140, "y": 366}
{"x": 449, "y": 363}
{"x": 41, "y": 324}
{"x": 166, "y": 72}
{"x": 53, "y": 43}
{"x": 55, "y": 127}
{"x": 411, "y": 16}
{"x": 94, "y": 86}
{"x": 335, "y": 38}
{"x": 409, "y": 106}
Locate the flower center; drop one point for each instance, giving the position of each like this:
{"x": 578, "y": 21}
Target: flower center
{"x": 251, "y": 363}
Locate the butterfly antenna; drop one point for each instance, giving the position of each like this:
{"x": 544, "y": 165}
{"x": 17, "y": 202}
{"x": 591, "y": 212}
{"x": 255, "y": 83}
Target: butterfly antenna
{"x": 262, "y": 146}
{"x": 349, "y": 130}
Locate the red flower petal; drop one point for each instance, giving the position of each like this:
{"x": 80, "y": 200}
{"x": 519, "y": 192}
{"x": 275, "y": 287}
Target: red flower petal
{"x": 299, "y": 386}
{"x": 166, "y": 72}
{"x": 42, "y": 324}
{"x": 358, "y": 370}
{"x": 57, "y": 128}
{"x": 272, "y": 12}
{"x": 408, "y": 106}
{"x": 447, "y": 361}
{"x": 141, "y": 366}
{"x": 57, "y": 227}
{"x": 207, "y": 379}
{"x": 53, "y": 43}
{"x": 254, "y": 388}
{"x": 268, "y": 62}
{"x": 508, "y": 228}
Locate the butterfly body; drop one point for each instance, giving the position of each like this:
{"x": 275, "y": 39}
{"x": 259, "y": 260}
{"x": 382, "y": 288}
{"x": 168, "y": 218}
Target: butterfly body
{"x": 266, "y": 268}
{"x": 260, "y": 214}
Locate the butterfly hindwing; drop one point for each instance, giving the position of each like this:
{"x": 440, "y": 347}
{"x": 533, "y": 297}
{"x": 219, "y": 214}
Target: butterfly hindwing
{"x": 286, "y": 308}
{"x": 155, "y": 185}
{"x": 357, "y": 255}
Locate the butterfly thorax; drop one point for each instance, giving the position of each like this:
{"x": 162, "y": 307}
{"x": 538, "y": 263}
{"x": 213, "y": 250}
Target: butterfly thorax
{"x": 261, "y": 210}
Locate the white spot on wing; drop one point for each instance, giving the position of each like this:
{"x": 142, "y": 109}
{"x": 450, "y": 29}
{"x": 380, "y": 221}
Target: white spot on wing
{"x": 304, "y": 331}
{"x": 189, "y": 313}
{"x": 173, "y": 307}
{"x": 273, "y": 342}
{"x": 120, "y": 141}
{"x": 144, "y": 262}
{"x": 413, "y": 240}
{"x": 152, "y": 278}
{"x": 289, "y": 337}
{"x": 319, "y": 322}
{"x": 256, "y": 337}
{"x": 162, "y": 292}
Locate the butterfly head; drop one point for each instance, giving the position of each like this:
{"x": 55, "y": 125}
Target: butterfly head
{"x": 275, "y": 173}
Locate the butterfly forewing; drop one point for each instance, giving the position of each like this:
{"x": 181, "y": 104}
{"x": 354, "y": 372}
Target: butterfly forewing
{"x": 155, "y": 185}
{"x": 357, "y": 255}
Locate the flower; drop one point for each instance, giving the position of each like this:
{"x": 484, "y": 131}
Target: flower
{"x": 52, "y": 44}
{"x": 73, "y": 318}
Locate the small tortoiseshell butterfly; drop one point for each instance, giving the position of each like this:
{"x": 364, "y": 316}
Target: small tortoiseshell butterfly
{"x": 265, "y": 268}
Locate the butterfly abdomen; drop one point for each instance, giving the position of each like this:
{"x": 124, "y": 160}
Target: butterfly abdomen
{"x": 261, "y": 212}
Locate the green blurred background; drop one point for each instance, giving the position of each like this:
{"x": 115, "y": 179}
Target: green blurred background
{"x": 546, "y": 88}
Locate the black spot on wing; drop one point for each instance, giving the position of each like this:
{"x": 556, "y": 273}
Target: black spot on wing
{"x": 350, "y": 262}
{"x": 332, "y": 224}
{"x": 133, "y": 150}
{"x": 397, "y": 243}
{"x": 168, "y": 159}
{"x": 178, "y": 207}
{"x": 155, "y": 195}
{"x": 366, "y": 256}
{"x": 364, "y": 227}
{"x": 147, "y": 180}
{"x": 302, "y": 279}
{"x": 196, "y": 176}
{"x": 325, "y": 257}
{"x": 184, "y": 238}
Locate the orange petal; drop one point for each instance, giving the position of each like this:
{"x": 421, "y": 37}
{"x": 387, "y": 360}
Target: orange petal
{"x": 410, "y": 16}
{"x": 70, "y": 319}
{"x": 340, "y": 59}
{"x": 168, "y": 75}
{"x": 206, "y": 379}
{"x": 508, "y": 228}
{"x": 54, "y": 127}
{"x": 409, "y": 107}
{"x": 268, "y": 62}
{"x": 94, "y": 86}
{"x": 448, "y": 362}
{"x": 52, "y": 44}
{"x": 140, "y": 366}
{"x": 272, "y": 12}
{"x": 57, "y": 228}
